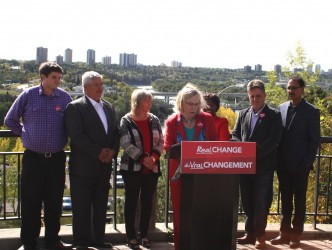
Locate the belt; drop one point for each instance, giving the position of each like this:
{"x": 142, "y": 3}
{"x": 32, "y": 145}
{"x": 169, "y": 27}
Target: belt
{"x": 46, "y": 155}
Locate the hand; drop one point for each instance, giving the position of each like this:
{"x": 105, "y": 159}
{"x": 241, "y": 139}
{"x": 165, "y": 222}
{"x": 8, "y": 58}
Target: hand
{"x": 106, "y": 155}
{"x": 149, "y": 162}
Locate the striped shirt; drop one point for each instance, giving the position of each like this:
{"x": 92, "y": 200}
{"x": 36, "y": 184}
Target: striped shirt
{"x": 39, "y": 119}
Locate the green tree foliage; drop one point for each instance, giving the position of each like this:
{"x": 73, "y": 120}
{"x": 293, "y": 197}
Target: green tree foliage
{"x": 303, "y": 66}
{"x": 6, "y": 101}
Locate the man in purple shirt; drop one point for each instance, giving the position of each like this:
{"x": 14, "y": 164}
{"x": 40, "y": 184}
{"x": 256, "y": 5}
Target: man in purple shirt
{"x": 37, "y": 115}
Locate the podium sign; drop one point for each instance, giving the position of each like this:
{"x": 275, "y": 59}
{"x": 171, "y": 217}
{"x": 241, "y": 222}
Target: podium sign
{"x": 218, "y": 157}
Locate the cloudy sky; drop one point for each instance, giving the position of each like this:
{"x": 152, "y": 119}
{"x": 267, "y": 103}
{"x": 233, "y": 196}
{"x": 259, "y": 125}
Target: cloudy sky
{"x": 198, "y": 33}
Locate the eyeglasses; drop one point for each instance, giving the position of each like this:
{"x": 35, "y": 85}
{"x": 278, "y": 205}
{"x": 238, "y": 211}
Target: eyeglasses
{"x": 191, "y": 104}
{"x": 293, "y": 87}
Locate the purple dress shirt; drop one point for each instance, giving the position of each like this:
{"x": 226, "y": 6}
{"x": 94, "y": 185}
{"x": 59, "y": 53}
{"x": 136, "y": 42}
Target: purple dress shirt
{"x": 39, "y": 119}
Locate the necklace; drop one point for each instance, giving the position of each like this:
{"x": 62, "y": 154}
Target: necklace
{"x": 188, "y": 121}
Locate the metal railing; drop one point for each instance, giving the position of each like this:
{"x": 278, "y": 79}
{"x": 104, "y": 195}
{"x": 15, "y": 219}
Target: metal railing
{"x": 10, "y": 160}
{"x": 322, "y": 186}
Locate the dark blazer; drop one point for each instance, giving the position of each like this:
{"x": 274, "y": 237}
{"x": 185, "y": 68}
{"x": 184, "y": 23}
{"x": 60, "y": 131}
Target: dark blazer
{"x": 87, "y": 136}
{"x": 266, "y": 134}
{"x": 300, "y": 140}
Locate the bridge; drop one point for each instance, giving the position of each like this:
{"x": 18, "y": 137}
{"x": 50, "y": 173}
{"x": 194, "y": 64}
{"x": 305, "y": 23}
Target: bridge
{"x": 235, "y": 101}
{"x": 239, "y": 100}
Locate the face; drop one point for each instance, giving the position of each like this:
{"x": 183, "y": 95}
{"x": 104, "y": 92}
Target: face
{"x": 295, "y": 92}
{"x": 212, "y": 107}
{"x": 145, "y": 105}
{"x": 52, "y": 81}
{"x": 257, "y": 98}
{"x": 191, "y": 106}
{"x": 94, "y": 89}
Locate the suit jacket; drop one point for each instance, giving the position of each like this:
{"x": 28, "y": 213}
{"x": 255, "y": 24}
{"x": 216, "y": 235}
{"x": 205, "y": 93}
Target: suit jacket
{"x": 300, "y": 140}
{"x": 266, "y": 134}
{"x": 87, "y": 136}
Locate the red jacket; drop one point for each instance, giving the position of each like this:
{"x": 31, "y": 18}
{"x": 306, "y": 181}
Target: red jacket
{"x": 204, "y": 128}
{"x": 222, "y": 128}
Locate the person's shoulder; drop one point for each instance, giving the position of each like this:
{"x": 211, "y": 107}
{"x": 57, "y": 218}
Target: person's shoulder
{"x": 271, "y": 110}
{"x": 77, "y": 101}
{"x": 284, "y": 104}
{"x": 153, "y": 117}
{"x": 126, "y": 117}
{"x": 107, "y": 103}
{"x": 31, "y": 90}
{"x": 64, "y": 95}
{"x": 243, "y": 111}
{"x": 62, "y": 92}
{"x": 205, "y": 114}
{"x": 308, "y": 105}
{"x": 173, "y": 117}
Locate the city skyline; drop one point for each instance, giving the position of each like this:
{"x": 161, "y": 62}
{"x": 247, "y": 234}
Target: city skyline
{"x": 210, "y": 33}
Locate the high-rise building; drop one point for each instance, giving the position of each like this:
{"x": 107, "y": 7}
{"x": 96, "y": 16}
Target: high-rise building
{"x": 68, "y": 56}
{"x": 318, "y": 68}
{"x": 59, "y": 59}
{"x": 107, "y": 60}
{"x": 41, "y": 55}
{"x": 176, "y": 64}
{"x": 258, "y": 68}
{"x": 277, "y": 68}
{"x": 91, "y": 57}
{"x": 247, "y": 69}
{"x": 128, "y": 60}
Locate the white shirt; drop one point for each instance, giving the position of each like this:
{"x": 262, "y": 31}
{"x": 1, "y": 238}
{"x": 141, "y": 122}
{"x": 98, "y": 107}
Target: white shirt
{"x": 254, "y": 118}
{"x": 100, "y": 111}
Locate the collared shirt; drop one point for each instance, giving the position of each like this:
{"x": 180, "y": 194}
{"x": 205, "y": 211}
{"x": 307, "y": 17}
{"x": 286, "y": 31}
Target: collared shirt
{"x": 39, "y": 119}
{"x": 254, "y": 118}
{"x": 291, "y": 112}
{"x": 100, "y": 111}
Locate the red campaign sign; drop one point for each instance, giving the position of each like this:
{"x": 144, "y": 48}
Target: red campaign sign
{"x": 218, "y": 157}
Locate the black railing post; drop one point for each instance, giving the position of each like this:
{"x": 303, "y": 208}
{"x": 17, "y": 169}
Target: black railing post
{"x": 4, "y": 187}
{"x": 114, "y": 202}
{"x": 316, "y": 189}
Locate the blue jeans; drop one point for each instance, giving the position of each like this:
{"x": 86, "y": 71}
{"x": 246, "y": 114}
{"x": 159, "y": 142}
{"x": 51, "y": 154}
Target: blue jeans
{"x": 256, "y": 196}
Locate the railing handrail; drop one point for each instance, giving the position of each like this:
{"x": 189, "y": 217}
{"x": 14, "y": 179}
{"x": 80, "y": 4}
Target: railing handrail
{"x": 314, "y": 214}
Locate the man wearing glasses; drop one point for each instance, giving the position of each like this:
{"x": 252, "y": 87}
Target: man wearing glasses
{"x": 296, "y": 152}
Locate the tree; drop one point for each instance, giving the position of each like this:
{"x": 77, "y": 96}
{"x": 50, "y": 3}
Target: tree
{"x": 299, "y": 62}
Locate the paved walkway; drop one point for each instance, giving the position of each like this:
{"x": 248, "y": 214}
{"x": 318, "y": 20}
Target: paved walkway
{"x": 321, "y": 238}
{"x": 308, "y": 244}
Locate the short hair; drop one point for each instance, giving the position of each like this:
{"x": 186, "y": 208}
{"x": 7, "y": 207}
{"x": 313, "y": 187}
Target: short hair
{"x": 256, "y": 84}
{"x": 47, "y": 68}
{"x": 88, "y": 76}
{"x": 188, "y": 91}
{"x": 212, "y": 98}
{"x": 298, "y": 79}
{"x": 138, "y": 96}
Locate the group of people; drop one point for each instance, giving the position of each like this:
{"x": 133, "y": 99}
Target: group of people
{"x": 45, "y": 117}
{"x": 287, "y": 141}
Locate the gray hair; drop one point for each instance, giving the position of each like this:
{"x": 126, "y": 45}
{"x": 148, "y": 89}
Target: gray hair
{"x": 88, "y": 76}
{"x": 256, "y": 84}
{"x": 188, "y": 91}
{"x": 138, "y": 96}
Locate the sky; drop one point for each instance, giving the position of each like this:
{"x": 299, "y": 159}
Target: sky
{"x": 198, "y": 33}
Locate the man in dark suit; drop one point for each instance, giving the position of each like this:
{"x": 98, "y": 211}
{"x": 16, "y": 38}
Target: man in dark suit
{"x": 93, "y": 131}
{"x": 296, "y": 152}
{"x": 260, "y": 124}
